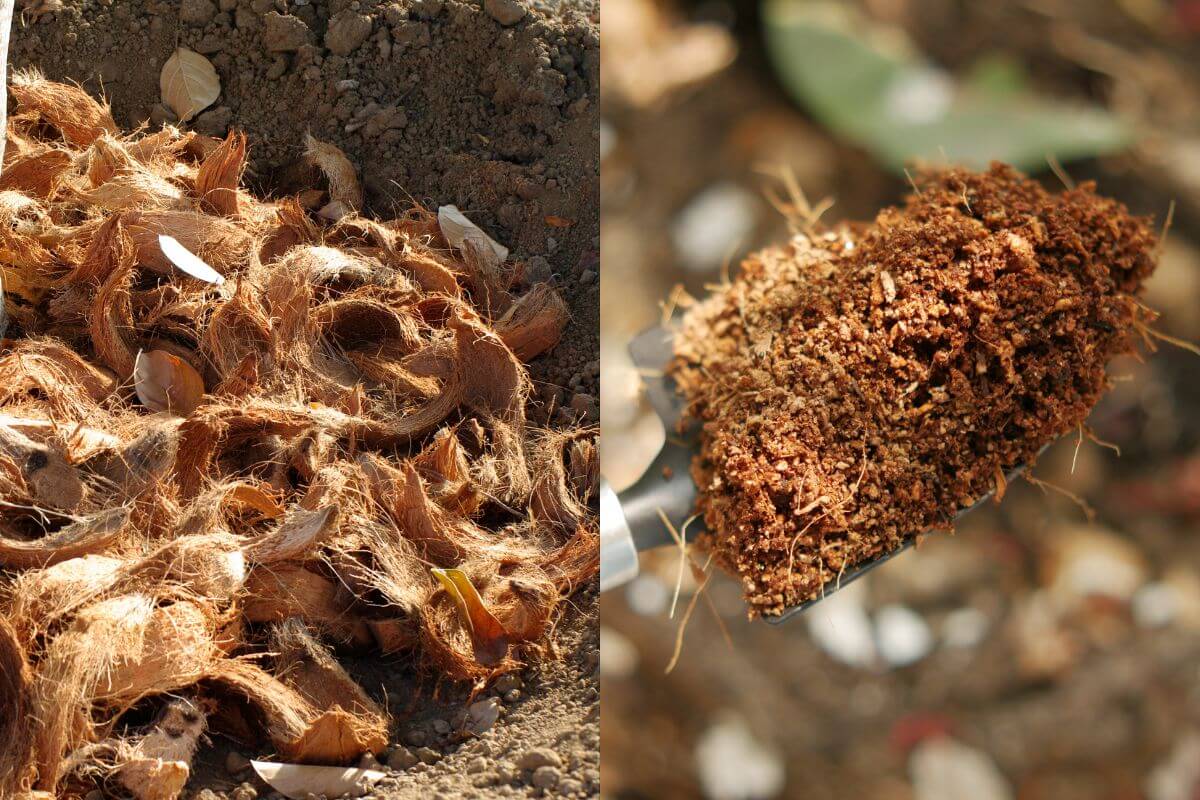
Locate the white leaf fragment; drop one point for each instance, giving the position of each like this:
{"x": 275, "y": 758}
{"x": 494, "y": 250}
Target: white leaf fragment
{"x": 461, "y": 233}
{"x": 188, "y": 261}
{"x": 299, "y": 781}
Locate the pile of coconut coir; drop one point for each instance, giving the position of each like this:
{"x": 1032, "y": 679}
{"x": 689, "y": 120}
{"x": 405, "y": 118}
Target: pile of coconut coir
{"x": 862, "y": 386}
{"x": 241, "y": 434}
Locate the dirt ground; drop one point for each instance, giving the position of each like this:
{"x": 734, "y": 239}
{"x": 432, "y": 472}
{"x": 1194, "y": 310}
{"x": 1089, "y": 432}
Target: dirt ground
{"x": 491, "y": 107}
{"x": 1061, "y": 650}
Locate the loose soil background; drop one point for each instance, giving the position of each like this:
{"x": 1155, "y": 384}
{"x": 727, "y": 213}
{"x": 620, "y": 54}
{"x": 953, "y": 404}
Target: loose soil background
{"x": 439, "y": 102}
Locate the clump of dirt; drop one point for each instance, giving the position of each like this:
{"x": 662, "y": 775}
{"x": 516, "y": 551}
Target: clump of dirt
{"x": 860, "y": 386}
{"x": 238, "y": 433}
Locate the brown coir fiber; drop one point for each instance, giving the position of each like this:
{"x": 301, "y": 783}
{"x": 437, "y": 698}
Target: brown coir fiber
{"x": 208, "y": 487}
{"x": 860, "y": 386}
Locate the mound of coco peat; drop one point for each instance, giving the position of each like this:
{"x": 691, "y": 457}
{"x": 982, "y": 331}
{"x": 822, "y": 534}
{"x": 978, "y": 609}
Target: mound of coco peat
{"x": 286, "y": 428}
{"x": 862, "y": 386}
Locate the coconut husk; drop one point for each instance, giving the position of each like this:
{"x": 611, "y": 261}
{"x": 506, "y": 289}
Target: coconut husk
{"x": 208, "y": 480}
{"x": 69, "y": 109}
{"x": 297, "y": 731}
{"x": 16, "y": 698}
{"x": 534, "y": 323}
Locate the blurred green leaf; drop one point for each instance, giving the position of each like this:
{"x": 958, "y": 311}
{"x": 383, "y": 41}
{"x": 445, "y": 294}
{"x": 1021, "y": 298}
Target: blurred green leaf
{"x": 867, "y": 83}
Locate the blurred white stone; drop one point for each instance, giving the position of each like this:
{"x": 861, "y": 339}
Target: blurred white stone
{"x": 618, "y": 655}
{"x": 1154, "y": 605}
{"x": 964, "y": 628}
{"x": 902, "y": 636}
{"x": 608, "y": 138}
{"x": 734, "y": 765}
{"x": 942, "y": 768}
{"x": 839, "y": 625}
{"x": 917, "y": 96}
{"x": 713, "y": 225}
{"x": 1088, "y": 560}
{"x": 1178, "y": 776}
{"x": 647, "y": 595}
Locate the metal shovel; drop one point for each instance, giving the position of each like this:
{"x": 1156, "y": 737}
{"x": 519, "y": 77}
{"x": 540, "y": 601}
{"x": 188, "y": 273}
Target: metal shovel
{"x": 630, "y": 521}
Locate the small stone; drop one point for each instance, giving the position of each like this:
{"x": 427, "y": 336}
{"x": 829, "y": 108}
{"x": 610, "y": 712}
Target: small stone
{"x": 284, "y": 33}
{"x": 506, "y": 12}
{"x": 244, "y": 792}
{"x": 587, "y": 276}
{"x": 277, "y": 68}
{"x": 346, "y": 85}
{"x": 440, "y": 727}
{"x": 476, "y": 765}
{"x": 482, "y": 715}
{"x": 368, "y": 761}
{"x": 160, "y": 115}
{"x": 416, "y": 737}
{"x": 538, "y": 270}
{"x": 401, "y": 758}
{"x": 569, "y": 787}
{"x": 347, "y": 30}
{"x": 214, "y": 122}
{"x": 512, "y": 695}
{"x": 508, "y": 681}
{"x": 428, "y": 755}
{"x": 584, "y": 404}
{"x": 197, "y": 12}
{"x": 235, "y": 762}
{"x": 94, "y": 794}
{"x": 539, "y": 757}
{"x": 545, "y": 777}
{"x": 505, "y": 773}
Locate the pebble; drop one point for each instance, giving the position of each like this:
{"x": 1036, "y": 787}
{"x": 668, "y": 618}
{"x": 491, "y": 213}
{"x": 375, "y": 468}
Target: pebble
{"x": 733, "y": 763}
{"x": 428, "y": 755}
{"x": 942, "y": 768}
{"x": 538, "y": 270}
{"x": 512, "y": 695}
{"x": 584, "y": 404}
{"x": 587, "y": 276}
{"x": 401, "y": 758}
{"x": 214, "y": 122}
{"x": 235, "y": 762}
{"x": 244, "y": 792}
{"x": 506, "y": 12}
{"x": 618, "y": 655}
{"x": 902, "y": 635}
{"x": 368, "y": 761}
{"x": 842, "y": 628}
{"x": 545, "y": 777}
{"x": 476, "y": 765}
{"x": 346, "y": 85}
{"x": 507, "y": 682}
{"x": 482, "y": 715}
{"x": 440, "y": 726}
{"x": 712, "y": 224}
{"x": 569, "y": 787}
{"x": 416, "y": 737}
{"x": 277, "y": 68}
{"x": 539, "y": 757}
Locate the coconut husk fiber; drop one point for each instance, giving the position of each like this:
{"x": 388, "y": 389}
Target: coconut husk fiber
{"x": 862, "y": 385}
{"x": 216, "y": 478}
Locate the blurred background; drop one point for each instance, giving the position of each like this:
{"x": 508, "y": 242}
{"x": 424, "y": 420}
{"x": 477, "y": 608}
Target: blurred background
{"x": 1036, "y": 653}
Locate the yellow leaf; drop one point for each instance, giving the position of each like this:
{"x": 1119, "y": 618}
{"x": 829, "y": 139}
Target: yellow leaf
{"x": 488, "y": 634}
{"x": 189, "y": 83}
